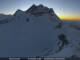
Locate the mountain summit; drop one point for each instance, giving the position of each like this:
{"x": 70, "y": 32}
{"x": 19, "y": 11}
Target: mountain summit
{"x": 40, "y": 10}
{"x": 35, "y": 32}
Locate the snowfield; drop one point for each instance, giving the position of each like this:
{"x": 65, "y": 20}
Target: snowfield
{"x": 38, "y": 32}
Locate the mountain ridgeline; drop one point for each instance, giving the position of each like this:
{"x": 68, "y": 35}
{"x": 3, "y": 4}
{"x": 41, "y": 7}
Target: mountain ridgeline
{"x": 37, "y": 31}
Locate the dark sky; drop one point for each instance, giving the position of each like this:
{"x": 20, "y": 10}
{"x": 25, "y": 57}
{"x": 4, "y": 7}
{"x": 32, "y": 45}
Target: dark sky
{"x": 61, "y": 7}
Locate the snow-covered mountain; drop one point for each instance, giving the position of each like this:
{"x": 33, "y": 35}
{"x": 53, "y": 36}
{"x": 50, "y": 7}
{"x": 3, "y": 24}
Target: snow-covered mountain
{"x": 36, "y": 32}
{"x": 2, "y": 16}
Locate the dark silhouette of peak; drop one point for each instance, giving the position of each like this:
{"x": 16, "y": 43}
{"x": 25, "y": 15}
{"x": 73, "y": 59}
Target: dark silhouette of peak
{"x": 39, "y": 10}
{"x": 18, "y": 12}
{"x": 33, "y": 5}
{"x": 40, "y": 5}
{"x": 31, "y": 8}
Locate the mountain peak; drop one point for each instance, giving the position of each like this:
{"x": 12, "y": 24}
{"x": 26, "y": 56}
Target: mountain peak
{"x": 39, "y": 9}
{"x": 19, "y": 13}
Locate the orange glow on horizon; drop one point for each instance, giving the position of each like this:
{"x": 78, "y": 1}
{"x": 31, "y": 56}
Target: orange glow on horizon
{"x": 69, "y": 17}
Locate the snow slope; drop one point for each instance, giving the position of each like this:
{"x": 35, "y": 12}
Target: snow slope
{"x": 71, "y": 30}
{"x": 35, "y": 33}
{"x": 2, "y": 16}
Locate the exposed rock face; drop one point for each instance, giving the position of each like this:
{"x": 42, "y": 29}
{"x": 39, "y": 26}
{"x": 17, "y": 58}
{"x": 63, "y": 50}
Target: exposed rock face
{"x": 40, "y": 10}
{"x": 63, "y": 40}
